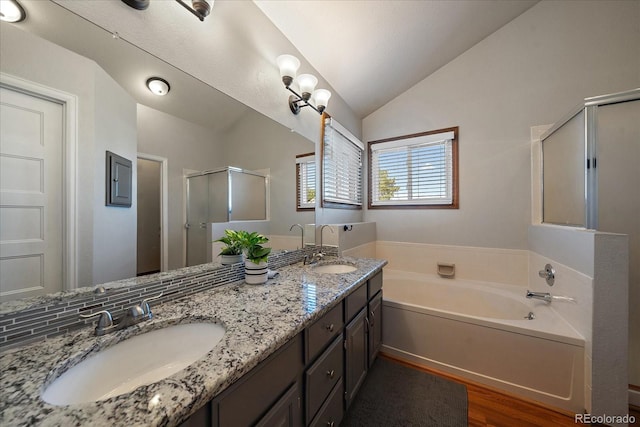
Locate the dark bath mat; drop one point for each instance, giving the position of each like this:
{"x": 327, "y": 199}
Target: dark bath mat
{"x": 395, "y": 395}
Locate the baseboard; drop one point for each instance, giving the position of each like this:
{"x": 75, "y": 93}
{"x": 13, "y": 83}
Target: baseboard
{"x": 475, "y": 384}
{"x": 634, "y": 395}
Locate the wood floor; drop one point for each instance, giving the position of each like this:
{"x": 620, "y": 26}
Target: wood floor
{"x": 492, "y": 408}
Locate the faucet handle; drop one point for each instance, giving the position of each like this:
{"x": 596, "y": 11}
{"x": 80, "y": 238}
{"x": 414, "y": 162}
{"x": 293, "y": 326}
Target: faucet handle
{"x": 146, "y": 310}
{"x": 104, "y": 322}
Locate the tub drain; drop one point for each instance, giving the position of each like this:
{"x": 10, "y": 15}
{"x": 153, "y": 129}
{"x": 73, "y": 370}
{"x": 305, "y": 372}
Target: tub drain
{"x": 530, "y": 316}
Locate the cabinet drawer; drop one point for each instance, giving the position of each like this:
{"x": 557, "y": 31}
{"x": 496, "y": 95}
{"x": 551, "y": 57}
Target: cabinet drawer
{"x": 247, "y": 400}
{"x": 375, "y": 284}
{"x": 286, "y": 412}
{"x": 323, "y": 331}
{"x": 322, "y": 376}
{"x": 331, "y": 413}
{"x": 355, "y": 302}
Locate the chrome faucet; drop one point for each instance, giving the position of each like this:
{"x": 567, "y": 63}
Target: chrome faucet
{"x": 544, "y": 296}
{"x": 321, "y": 230}
{"x": 132, "y": 316}
{"x": 301, "y": 232}
{"x": 317, "y": 256}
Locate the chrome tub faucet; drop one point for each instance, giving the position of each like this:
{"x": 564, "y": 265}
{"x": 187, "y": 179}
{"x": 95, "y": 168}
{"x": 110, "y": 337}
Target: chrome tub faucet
{"x": 544, "y": 296}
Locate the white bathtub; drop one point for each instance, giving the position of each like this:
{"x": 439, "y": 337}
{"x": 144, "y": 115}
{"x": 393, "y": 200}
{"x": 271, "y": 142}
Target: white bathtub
{"x": 478, "y": 330}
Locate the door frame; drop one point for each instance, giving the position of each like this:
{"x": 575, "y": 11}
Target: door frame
{"x": 69, "y": 104}
{"x": 164, "y": 207}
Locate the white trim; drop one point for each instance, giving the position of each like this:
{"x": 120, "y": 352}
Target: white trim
{"x": 70, "y": 107}
{"x": 416, "y": 140}
{"x": 345, "y": 132}
{"x": 164, "y": 207}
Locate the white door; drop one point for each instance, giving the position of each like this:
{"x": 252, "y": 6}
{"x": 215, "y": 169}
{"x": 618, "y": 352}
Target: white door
{"x": 31, "y": 196}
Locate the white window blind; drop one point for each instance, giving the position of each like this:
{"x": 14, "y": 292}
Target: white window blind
{"x": 342, "y": 165}
{"x": 413, "y": 171}
{"x": 306, "y": 191}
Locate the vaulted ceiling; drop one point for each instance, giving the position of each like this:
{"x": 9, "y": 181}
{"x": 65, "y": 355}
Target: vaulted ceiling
{"x": 371, "y": 51}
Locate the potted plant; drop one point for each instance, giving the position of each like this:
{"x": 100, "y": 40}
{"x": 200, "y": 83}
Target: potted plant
{"x": 231, "y": 253}
{"x": 256, "y": 255}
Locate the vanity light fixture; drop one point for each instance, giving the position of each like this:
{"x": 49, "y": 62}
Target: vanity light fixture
{"x": 200, "y": 8}
{"x": 289, "y": 65}
{"x": 158, "y": 86}
{"x": 11, "y": 11}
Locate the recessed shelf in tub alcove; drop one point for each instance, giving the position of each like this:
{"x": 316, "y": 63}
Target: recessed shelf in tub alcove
{"x": 446, "y": 270}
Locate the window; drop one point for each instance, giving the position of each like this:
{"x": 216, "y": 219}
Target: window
{"x": 414, "y": 171}
{"x": 306, "y": 182}
{"x": 341, "y": 166}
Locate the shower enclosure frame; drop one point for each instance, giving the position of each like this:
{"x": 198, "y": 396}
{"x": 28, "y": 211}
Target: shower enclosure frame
{"x": 228, "y": 170}
{"x": 590, "y": 122}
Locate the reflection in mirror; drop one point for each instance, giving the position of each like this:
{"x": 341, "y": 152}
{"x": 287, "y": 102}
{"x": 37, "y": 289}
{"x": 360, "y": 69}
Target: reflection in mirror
{"x": 340, "y": 183}
{"x": 306, "y": 181}
{"x": 193, "y": 128}
{"x": 563, "y": 159}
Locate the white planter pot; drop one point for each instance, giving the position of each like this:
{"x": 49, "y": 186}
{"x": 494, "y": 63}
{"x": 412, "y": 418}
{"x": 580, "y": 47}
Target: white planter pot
{"x": 230, "y": 259}
{"x": 255, "y": 274}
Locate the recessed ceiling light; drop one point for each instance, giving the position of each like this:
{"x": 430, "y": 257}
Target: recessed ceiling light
{"x": 158, "y": 86}
{"x": 11, "y": 11}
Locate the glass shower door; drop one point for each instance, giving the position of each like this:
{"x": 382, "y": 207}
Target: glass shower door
{"x": 197, "y": 219}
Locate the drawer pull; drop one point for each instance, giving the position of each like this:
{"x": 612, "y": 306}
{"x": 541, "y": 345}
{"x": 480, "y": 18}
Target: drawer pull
{"x": 330, "y": 327}
{"x": 331, "y": 424}
{"x": 331, "y": 373}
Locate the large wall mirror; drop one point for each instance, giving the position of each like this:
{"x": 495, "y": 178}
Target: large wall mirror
{"x": 193, "y": 128}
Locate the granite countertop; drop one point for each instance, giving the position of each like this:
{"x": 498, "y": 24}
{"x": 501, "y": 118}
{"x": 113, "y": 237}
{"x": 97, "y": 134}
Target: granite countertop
{"x": 258, "y": 320}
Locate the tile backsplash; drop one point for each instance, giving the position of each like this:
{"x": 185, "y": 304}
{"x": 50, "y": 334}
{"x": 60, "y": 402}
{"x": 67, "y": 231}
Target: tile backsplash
{"x": 53, "y": 315}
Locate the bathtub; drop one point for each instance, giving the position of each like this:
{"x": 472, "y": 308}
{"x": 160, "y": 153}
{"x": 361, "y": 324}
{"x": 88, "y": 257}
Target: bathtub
{"x": 479, "y": 331}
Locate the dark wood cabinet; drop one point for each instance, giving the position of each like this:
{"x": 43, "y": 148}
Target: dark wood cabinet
{"x": 332, "y": 411}
{"x": 251, "y": 397}
{"x": 356, "y": 363}
{"x": 286, "y": 412}
{"x": 322, "y": 376}
{"x": 375, "y": 327}
{"x": 313, "y": 378}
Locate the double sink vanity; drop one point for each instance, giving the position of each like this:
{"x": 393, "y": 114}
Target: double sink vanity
{"x": 291, "y": 352}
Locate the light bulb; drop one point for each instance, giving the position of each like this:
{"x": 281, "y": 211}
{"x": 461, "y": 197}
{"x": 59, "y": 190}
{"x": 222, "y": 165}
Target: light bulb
{"x": 288, "y": 65}
{"x": 158, "y": 86}
{"x": 307, "y": 83}
{"x": 11, "y": 11}
{"x": 321, "y": 99}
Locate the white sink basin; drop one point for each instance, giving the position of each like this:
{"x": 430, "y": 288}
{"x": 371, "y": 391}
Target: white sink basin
{"x": 140, "y": 360}
{"x": 334, "y": 268}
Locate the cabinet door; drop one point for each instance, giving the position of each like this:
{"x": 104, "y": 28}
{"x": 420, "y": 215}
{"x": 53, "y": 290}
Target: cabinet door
{"x": 253, "y": 395}
{"x": 375, "y": 327}
{"x": 356, "y": 355}
{"x": 286, "y": 412}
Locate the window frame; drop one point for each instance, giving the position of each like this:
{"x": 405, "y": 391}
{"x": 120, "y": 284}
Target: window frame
{"x": 455, "y": 185}
{"x": 347, "y": 135}
{"x": 300, "y": 208}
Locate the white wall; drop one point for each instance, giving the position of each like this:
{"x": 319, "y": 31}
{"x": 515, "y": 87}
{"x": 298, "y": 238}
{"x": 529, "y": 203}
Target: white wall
{"x": 187, "y": 146}
{"x": 530, "y": 72}
{"x": 114, "y": 228}
{"x": 105, "y": 120}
